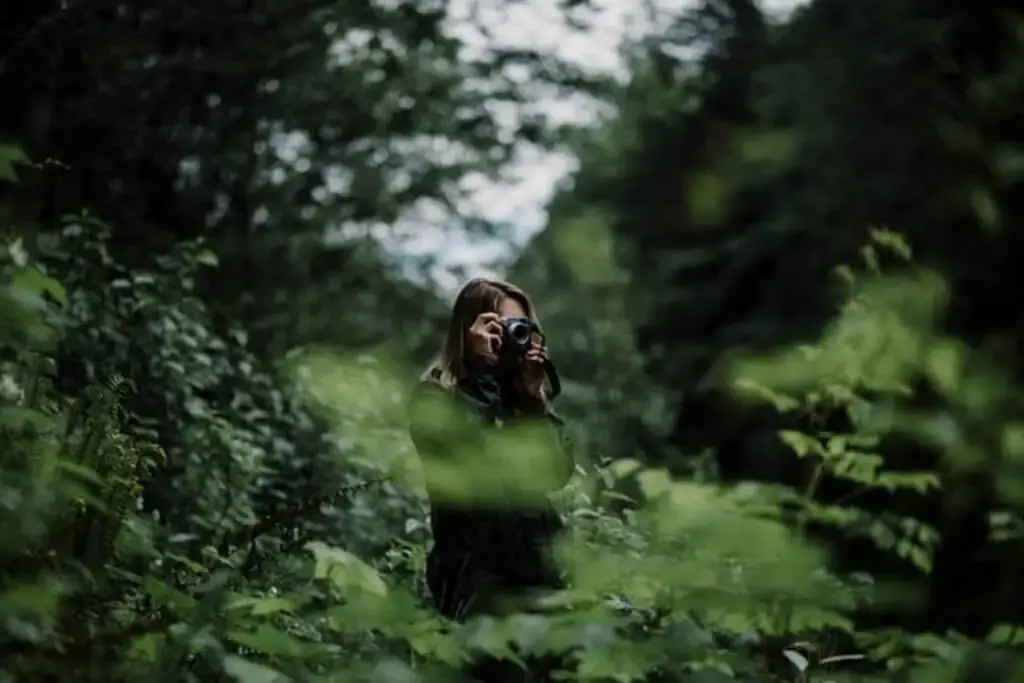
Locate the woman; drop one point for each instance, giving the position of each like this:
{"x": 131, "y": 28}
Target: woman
{"x": 492, "y": 449}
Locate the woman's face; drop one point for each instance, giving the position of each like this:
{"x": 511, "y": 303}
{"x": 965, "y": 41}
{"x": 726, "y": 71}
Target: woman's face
{"x": 510, "y": 308}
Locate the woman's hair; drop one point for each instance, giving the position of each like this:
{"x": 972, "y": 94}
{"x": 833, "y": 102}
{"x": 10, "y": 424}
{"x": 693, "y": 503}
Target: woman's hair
{"x": 480, "y": 295}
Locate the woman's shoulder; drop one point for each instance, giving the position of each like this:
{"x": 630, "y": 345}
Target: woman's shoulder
{"x": 430, "y": 388}
{"x": 435, "y": 388}
{"x": 432, "y": 376}
{"x": 433, "y": 404}
{"x": 431, "y": 383}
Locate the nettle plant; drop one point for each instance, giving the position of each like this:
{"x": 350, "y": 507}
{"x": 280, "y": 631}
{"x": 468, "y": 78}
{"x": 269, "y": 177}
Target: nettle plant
{"x": 845, "y": 394}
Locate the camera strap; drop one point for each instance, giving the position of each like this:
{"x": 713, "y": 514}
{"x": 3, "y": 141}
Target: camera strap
{"x": 553, "y": 378}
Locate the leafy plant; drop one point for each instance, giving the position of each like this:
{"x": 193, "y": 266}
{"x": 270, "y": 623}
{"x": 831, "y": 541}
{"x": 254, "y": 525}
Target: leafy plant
{"x": 210, "y": 520}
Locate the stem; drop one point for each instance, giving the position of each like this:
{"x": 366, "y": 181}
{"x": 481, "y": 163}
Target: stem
{"x": 784, "y": 613}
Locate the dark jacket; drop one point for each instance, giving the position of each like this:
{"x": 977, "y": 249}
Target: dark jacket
{"x": 492, "y": 527}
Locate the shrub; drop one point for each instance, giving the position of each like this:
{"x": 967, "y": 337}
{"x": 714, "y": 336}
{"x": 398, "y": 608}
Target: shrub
{"x": 251, "y": 568}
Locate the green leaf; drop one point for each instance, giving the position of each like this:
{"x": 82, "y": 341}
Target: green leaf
{"x": 922, "y": 482}
{"x": 269, "y": 641}
{"x": 439, "y": 646}
{"x": 32, "y": 601}
{"x": 147, "y": 647}
{"x": 10, "y": 157}
{"x": 488, "y": 635}
{"x": 752, "y": 389}
{"x": 1006, "y": 634}
{"x": 622, "y": 662}
{"x": 18, "y": 419}
{"x": 259, "y": 606}
{"x": 622, "y": 469}
{"x": 34, "y": 281}
{"x": 796, "y": 659}
{"x": 945, "y": 366}
{"x": 837, "y": 445}
{"x": 273, "y": 606}
{"x": 207, "y": 258}
{"x": 17, "y": 253}
{"x": 345, "y": 570}
{"x": 986, "y": 208}
{"x": 802, "y": 444}
{"x": 167, "y": 596}
{"x": 244, "y": 671}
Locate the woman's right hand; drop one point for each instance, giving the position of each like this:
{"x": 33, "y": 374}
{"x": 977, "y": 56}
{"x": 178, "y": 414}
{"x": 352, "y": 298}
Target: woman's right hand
{"x": 484, "y": 338}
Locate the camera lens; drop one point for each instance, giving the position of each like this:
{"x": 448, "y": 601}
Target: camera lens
{"x": 520, "y": 332}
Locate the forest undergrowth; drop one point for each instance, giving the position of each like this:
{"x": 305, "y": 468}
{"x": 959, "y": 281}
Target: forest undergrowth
{"x": 175, "y": 510}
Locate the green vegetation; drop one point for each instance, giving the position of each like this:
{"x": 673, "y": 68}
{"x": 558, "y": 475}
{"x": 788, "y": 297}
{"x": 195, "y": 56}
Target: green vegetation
{"x": 799, "y": 435}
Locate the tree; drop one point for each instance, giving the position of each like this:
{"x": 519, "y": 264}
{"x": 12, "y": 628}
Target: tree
{"x": 272, "y": 129}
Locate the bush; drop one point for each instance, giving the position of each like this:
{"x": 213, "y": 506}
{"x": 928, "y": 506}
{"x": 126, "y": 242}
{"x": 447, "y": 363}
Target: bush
{"x": 242, "y": 559}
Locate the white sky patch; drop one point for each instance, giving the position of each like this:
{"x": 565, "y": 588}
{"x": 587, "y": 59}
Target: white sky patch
{"x": 519, "y": 201}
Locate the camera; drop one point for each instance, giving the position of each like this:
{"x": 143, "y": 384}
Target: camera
{"x": 517, "y": 336}
{"x": 518, "y": 333}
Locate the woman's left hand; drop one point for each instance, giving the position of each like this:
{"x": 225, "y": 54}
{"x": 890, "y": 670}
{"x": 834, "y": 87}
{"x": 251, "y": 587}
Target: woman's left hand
{"x": 534, "y": 372}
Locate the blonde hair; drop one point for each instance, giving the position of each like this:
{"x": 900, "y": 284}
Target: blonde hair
{"x": 480, "y": 295}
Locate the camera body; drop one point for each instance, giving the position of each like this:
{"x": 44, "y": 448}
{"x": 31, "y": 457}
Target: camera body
{"x": 517, "y": 334}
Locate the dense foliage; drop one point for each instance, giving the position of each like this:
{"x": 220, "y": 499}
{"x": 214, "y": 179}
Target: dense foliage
{"x": 799, "y": 447}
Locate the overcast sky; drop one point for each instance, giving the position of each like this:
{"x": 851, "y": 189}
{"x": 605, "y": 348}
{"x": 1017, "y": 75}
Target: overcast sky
{"x": 520, "y": 202}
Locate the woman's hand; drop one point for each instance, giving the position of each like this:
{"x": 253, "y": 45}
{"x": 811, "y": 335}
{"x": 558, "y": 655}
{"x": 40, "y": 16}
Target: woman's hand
{"x": 534, "y": 372}
{"x": 484, "y": 338}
